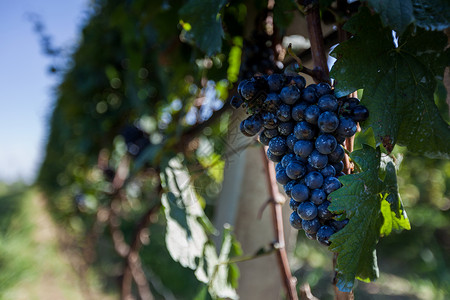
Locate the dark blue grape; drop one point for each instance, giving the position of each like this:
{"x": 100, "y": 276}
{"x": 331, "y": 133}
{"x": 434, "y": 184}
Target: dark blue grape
{"x": 307, "y": 210}
{"x": 347, "y": 127}
{"x": 270, "y": 120}
{"x": 339, "y": 166}
{"x": 337, "y": 155}
{"x": 287, "y": 159}
{"x": 303, "y": 160}
{"x": 284, "y": 113}
{"x": 323, "y": 212}
{"x": 312, "y": 114}
{"x": 317, "y": 196}
{"x": 314, "y": 180}
{"x": 311, "y": 226}
{"x": 288, "y": 187}
{"x": 253, "y": 124}
{"x": 325, "y": 143}
{"x": 340, "y": 139}
{"x": 351, "y": 103}
{"x": 318, "y": 160}
{"x": 273, "y": 157}
{"x": 275, "y": 82}
{"x": 298, "y": 111}
{"x": 299, "y": 81}
{"x": 248, "y": 90}
{"x": 291, "y": 140}
{"x": 272, "y": 102}
{"x": 295, "y": 220}
{"x": 304, "y": 131}
{"x": 310, "y": 168}
{"x": 295, "y": 169}
{"x": 303, "y": 148}
{"x": 359, "y": 113}
{"x": 278, "y": 145}
{"x": 243, "y": 130}
{"x": 241, "y": 85}
{"x": 331, "y": 184}
{"x": 263, "y": 139}
{"x": 293, "y": 204}
{"x": 323, "y": 88}
{"x": 279, "y": 167}
{"x": 329, "y": 170}
{"x": 270, "y": 133}
{"x": 309, "y": 94}
{"x": 338, "y": 225}
{"x": 323, "y": 235}
{"x": 282, "y": 178}
{"x": 290, "y": 94}
{"x": 328, "y": 103}
{"x": 340, "y": 174}
{"x": 328, "y": 121}
{"x": 285, "y": 128}
{"x": 300, "y": 192}
{"x": 236, "y": 101}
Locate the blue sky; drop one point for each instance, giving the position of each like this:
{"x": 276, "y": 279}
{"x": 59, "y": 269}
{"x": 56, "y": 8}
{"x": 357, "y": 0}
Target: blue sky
{"x": 25, "y": 84}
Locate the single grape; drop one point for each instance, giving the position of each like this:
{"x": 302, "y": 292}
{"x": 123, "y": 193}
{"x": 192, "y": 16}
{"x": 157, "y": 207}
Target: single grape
{"x": 359, "y": 113}
{"x": 328, "y": 121}
{"x": 299, "y": 81}
{"x": 307, "y": 210}
{"x": 300, "y": 192}
{"x": 284, "y": 112}
{"x": 329, "y": 170}
{"x": 304, "y": 131}
{"x": 347, "y": 127}
{"x": 236, "y": 101}
{"x": 288, "y": 187}
{"x": 303, "y": 148}
{"x": 311, "y": 226}
{"x": 285, "y": 128}
{"x": 312, "y": 114}
{"x": 263, "y": 139}
{"x": 287, "y": 159}
{"x": 328, "y": 103}
{"x": 314, "y": 180}
{"x": 253, "y": 124}
{"x": 295, "y": 169}
{"x": 291, "y": 140}
{"x": 290, "y": 94}
{"x": 309, "y": 94}
{"x": 330, "y": 184}
{"x": 275, "y": 82}
{"x": 339, "y": 166}
{"x": 338, "y": 225}
{"x": 273, "y": 157}
{"x": 318, "y": 160}
{"x": 279, "y": 167}
{"x": 248, "y": 90}
{"x": 270, "y": 120}
{"x": 323, "y": 212}
{"x": 325, "y": 143}
{"x": 298, "y": 111}
{"x": 293, "y": 204}
{"x": 278, "y": 145}
{"x": 323, "y": 88}
{"x": 317, "y": 196}
{"x": 323, "y": 235}
{"x": 282, "y": 178}
{"x": 295, "y": 220}
{"x": 243, "y": 130}
{"x": 337, "y": 155}
{"x": 272, "y": 102}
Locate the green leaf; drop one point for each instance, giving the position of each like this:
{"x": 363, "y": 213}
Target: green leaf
{"x": 364, "y": 137}
{"x": 215, "y": 270}
{"x": 398, "y": 83}
{"x": 432, "y": 14}
{"x": 394, "y": 215}
{"x": 204, "y": 18}
{"x": 185, "y": 235}
{"x": 359, "y": 199}
{"x": 397, "y": 14}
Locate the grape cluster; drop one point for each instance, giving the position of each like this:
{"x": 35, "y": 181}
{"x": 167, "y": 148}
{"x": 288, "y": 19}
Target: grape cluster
{"x": 304, "y": 128}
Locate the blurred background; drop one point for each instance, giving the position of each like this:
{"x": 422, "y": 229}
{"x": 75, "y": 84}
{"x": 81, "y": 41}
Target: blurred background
{"x": 98, "y": 96}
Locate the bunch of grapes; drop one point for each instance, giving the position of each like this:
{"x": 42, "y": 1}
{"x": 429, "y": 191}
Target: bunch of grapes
{"x": 304, "y": 128}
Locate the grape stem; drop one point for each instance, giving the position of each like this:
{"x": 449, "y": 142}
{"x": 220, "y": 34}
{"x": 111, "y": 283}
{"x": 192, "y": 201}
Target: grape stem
{"x": 289, "y": 281}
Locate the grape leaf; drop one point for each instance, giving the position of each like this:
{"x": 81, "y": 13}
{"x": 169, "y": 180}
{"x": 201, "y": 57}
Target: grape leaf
{"x": 204, "y": 18}
{"x": 432, "y": 14}
{"x": 394, "y": 214}
{"x": 397, "y": 14}
{"x": 398, "y": 83}
{"x": 359, "y": 199}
